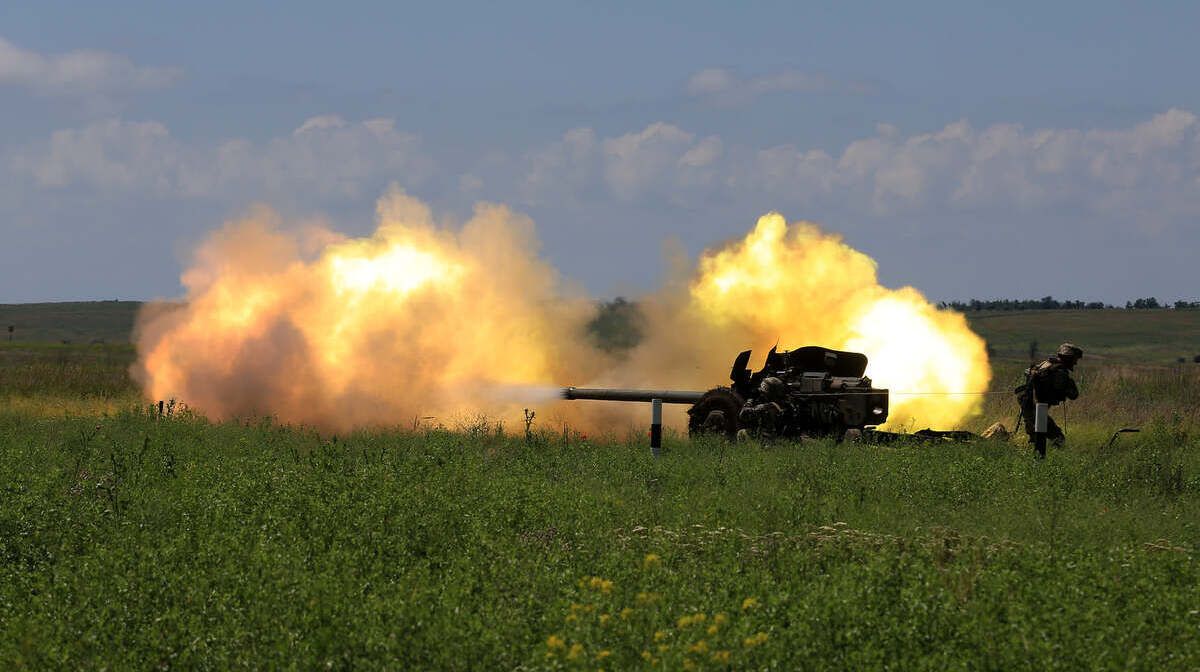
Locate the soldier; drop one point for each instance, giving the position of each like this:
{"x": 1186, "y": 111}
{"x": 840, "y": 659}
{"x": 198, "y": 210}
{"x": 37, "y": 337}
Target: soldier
{"x": 761, "y": 417}
{"x": 1049, "y": 383}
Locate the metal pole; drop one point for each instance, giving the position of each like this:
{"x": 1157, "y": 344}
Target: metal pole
{"x": 1041, "y": 415}
{"x": 655, "y": 426}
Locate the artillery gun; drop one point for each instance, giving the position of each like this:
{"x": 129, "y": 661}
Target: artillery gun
{"x": 809, "y": 391}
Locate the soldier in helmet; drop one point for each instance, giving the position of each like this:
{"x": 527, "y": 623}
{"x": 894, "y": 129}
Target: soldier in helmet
{"x": 761, "y": 417}
{"x": 1049, "y": 383}
{"x": 772, "y": 388}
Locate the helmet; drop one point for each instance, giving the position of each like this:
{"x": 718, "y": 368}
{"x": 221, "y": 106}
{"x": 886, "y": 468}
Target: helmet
{"x": 1070, "y": 351}
{"x": 772, "y": 388}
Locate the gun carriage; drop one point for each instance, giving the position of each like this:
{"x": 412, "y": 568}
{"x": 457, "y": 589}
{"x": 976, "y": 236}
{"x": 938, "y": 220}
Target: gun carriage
{"x": 809, "y": 391}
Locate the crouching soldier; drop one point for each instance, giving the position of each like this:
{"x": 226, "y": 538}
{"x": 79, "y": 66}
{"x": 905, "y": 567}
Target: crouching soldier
{"x": 763, "y": 416}
{"x": 1049, "y": 383}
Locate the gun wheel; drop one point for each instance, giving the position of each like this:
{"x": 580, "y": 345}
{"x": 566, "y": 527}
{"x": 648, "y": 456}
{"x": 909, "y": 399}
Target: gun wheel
{"x": 715, "y": 413}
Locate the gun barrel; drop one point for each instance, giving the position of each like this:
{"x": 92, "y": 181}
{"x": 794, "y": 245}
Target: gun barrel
{"x": 616, "y": 394}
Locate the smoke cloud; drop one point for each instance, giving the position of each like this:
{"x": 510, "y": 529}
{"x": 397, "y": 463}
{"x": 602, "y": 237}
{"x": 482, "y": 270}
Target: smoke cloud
{"x": 427, "y": 319}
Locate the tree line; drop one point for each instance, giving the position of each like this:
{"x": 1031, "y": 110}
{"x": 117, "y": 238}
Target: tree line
{"x": 1050, "y": 303}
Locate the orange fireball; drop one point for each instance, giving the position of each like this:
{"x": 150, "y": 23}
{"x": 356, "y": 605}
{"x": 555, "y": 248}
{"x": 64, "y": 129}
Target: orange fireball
{"x": 420, "y": 319}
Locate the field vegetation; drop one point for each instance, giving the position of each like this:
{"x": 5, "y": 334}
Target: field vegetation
{"x": 130, "y": 539}
{"x": 71, "y": 322}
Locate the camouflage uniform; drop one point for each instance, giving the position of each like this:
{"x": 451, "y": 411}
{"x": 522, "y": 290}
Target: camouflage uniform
{"x": 1049, "y": 383}
{"x": 761, "y": 417}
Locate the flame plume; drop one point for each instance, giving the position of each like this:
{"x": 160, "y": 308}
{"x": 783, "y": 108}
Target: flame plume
{"x": 797, "y": 286}
{"x": 412, "y": 321}
{"x": 420, "y": 320}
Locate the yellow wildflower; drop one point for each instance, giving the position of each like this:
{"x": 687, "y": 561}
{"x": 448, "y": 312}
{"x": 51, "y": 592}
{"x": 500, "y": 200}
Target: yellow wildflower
{"x": 646, "y": 655}
{"x": 699, "y": 647}
{"x": 720, "y": 618}
{"x": 626, "y": 613}
{"x": 575, "y": 652}
{"x": 755, "y": 640}
{"x": 663, "y": 648}
{"x": 646, "y": 598}
{"x": 603, "y": 654}
{"x": 602, "y": 585}
{"x": 689, "y": 664}
{"x": 749, "y": 603}
{"x": 605, "y": 618}
{"x": 659, "y": 635}
{"x": 685, "y": 621}
{"x": 571, "y": 618}
{"x": 651, "y": 561}
{"x": 555, "y": 642}
{"x": 722, "y": 656}
{"x": 712, "y": 629}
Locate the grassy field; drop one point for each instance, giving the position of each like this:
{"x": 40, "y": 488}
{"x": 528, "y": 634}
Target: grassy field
{"x": 129, "y": 540}
{"x": 69, "y": 322}
{"x": 1144, "y": 337}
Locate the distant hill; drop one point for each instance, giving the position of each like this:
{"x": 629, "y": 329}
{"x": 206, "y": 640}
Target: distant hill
{"x": 77, "y": 322}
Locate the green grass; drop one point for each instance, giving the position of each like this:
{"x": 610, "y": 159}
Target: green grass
{"x": 81, "y": 322}
{"x": 1110, "y": 396}
{"x": 133, "y": 541}
{"x": 54, "y": 380}
{"x": 1148, "y": 337}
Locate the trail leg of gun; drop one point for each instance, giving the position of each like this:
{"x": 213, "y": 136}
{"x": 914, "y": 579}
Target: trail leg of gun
{"x": 1041, "y": 421}
{"x": 655, "y": 426}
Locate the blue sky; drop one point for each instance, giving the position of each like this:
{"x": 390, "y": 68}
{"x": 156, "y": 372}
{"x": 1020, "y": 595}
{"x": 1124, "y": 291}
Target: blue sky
{"x": 975, "y": 149}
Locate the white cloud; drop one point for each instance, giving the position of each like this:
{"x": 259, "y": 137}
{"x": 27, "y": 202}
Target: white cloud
{"x": 659, "y": 160}
{"x": 111, "y": 154}
{"x": 322, "y": 122}
{"x": 705, "y": 153}
{"x": 1151, "y": 167}
{"x": 801, "y": 175}
{"x": 1143, "y": 172}
{"x": 325, "y": 157}
{"x": 711, "y": 81}
{"x": 562, "y": 169}
{"x": 636, "y": 162}
{"x": 79, "y": 73}
{"x": 725, "y": 87}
